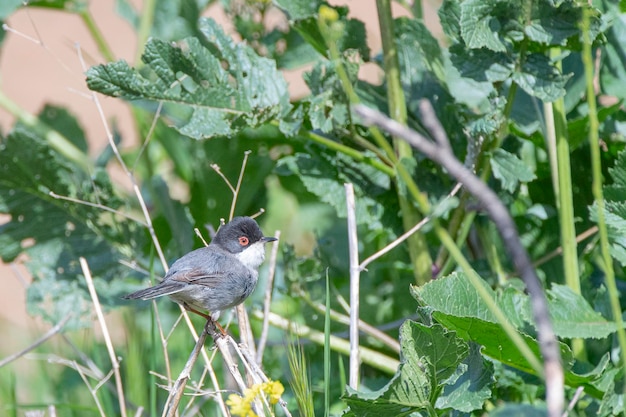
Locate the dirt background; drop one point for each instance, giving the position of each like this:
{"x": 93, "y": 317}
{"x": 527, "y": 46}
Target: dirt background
{"x": 39, "y": 64}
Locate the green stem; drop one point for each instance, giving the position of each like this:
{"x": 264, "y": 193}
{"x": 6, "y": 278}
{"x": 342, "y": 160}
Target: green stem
{"x": 351, "y": 152}
{"x": 418, "y": 249}
{"x": 556, "y": 135}
{"x": 145, "y": 27}
{"x": 57, "y": 141}
{"x": 596, "y": 166}
{"x": 97, "y": 35}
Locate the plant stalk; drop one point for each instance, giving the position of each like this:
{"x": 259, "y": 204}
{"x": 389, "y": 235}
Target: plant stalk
{"x": 418, "y": 249}
{"x": 596, "y": 166}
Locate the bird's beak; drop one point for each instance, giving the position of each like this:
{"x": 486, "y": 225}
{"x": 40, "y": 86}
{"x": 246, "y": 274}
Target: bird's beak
{"x": 266, "y": 239}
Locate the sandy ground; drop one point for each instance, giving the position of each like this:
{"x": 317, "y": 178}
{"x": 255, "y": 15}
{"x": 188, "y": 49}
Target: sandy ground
{"x": 40, "y": 64}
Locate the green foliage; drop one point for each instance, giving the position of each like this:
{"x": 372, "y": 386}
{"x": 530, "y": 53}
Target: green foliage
{"x": 488, "y": 81}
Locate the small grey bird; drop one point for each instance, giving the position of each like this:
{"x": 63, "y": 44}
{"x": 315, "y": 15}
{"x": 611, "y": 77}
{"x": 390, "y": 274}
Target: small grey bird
{"x": 217, "y": 277}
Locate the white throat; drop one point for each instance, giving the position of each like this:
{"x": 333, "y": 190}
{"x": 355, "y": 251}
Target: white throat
{"x": 252, "y": 256}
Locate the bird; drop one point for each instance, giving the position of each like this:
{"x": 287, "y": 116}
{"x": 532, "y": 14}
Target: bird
{"x": 216, "y": 277}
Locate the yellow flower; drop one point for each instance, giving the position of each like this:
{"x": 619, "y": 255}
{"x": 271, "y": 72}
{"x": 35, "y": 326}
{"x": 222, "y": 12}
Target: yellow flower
{"x": 242, "y": 406}
{"x": 274, "y": 389}
{"x": 328, "y": 14}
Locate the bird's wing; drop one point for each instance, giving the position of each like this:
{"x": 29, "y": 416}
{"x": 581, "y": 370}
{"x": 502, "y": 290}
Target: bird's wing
{"x": 198, "y": 276}
{"x": 207, "y": 270}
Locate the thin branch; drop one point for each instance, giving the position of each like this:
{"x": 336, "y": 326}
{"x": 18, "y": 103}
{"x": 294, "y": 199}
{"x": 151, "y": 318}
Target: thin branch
{"x": 404, "y": 236}
{"x": 96, "y": 205}
{"x": 105, "y": 333}
{"x": 54, "y": 330}
{"x": 497, "y": 211}
{"x": 130, "y": 176}
{"x": 246, "y": 154}
{"x": 269, "y": 287}
{"x": 155, "y": 119}
{"x": 369, "y": 357}
{"x": 353, "y": 244}
{"x": 364, "y": 327}
{"x": 177, "y": 390}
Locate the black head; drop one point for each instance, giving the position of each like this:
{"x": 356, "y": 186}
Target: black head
{"x": 239, "y": 234}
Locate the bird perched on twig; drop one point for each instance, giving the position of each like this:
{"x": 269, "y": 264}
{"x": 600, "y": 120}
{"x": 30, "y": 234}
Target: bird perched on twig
{"x": 217, "y": 277}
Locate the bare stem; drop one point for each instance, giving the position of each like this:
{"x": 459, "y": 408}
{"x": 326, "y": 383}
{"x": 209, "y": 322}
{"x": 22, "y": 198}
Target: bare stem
{"x": 105, "y": 333}
{"x": 353, "y": 244}
{"x": 268, "y": 299}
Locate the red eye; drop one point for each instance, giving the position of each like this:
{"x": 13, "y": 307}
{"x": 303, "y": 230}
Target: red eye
{"x": 243, "y": 241}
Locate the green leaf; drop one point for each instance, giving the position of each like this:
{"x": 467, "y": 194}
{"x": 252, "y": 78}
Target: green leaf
{"x": 190, "y": 76}
{"x": 479, "y": 27}
{"x": 417, "y": 47}
{"x": 324, "y": 174}
{"x": 519, "y": 410}
{"x": 510, "y": 170}
{"x": 54, "y": 233}
{"x": 303, "y": 15}
{"x": 613, "y": 70}
{"x": 539, "y": 78}
{"x": 63, "y": 122}
{"x": 429, "y": 355}
{"x": 559, "y": 25}
{"x": 457, "y": 305}
{"x": 573, "y": 317}
{"x": 469, "y": 387}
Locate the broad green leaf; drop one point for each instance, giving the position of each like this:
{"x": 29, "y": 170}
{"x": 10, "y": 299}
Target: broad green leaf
{"x": 469, "y": 387}
{"x": 510, "y": 170}
{"x": 558, "y": 25}
{"x": 53, "y": 233}
{"x": 479, "y": 27}
{"x": 539, "y": 78}
{"x": 573, "y": 317}
{"x": 482, "y": 64}
{"x": 67, "y": 5}
{"x": 418, "y": 48}
{"x": 192, "y": 77}
{"x": 457, "y": 305}
{"x": 450, "y": 18}
{"x": 429, "y": 355}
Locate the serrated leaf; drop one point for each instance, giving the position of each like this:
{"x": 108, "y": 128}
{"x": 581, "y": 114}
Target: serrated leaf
{"x": 539, "y": 78}
{"x": 510, "y": 170}
{"x": 479, "y": 28}
{"x": 53, "y": 233}
{"x": 482, "y": 64}
{"x": 469, "y": 388}
{"x": 457, "y": 305}
{"x": 250, "y": 92}
{"x": 555, "y": 25}
{"x": 429, "y": 354}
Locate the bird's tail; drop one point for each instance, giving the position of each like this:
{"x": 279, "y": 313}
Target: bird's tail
{"x": 164, "y": 288}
